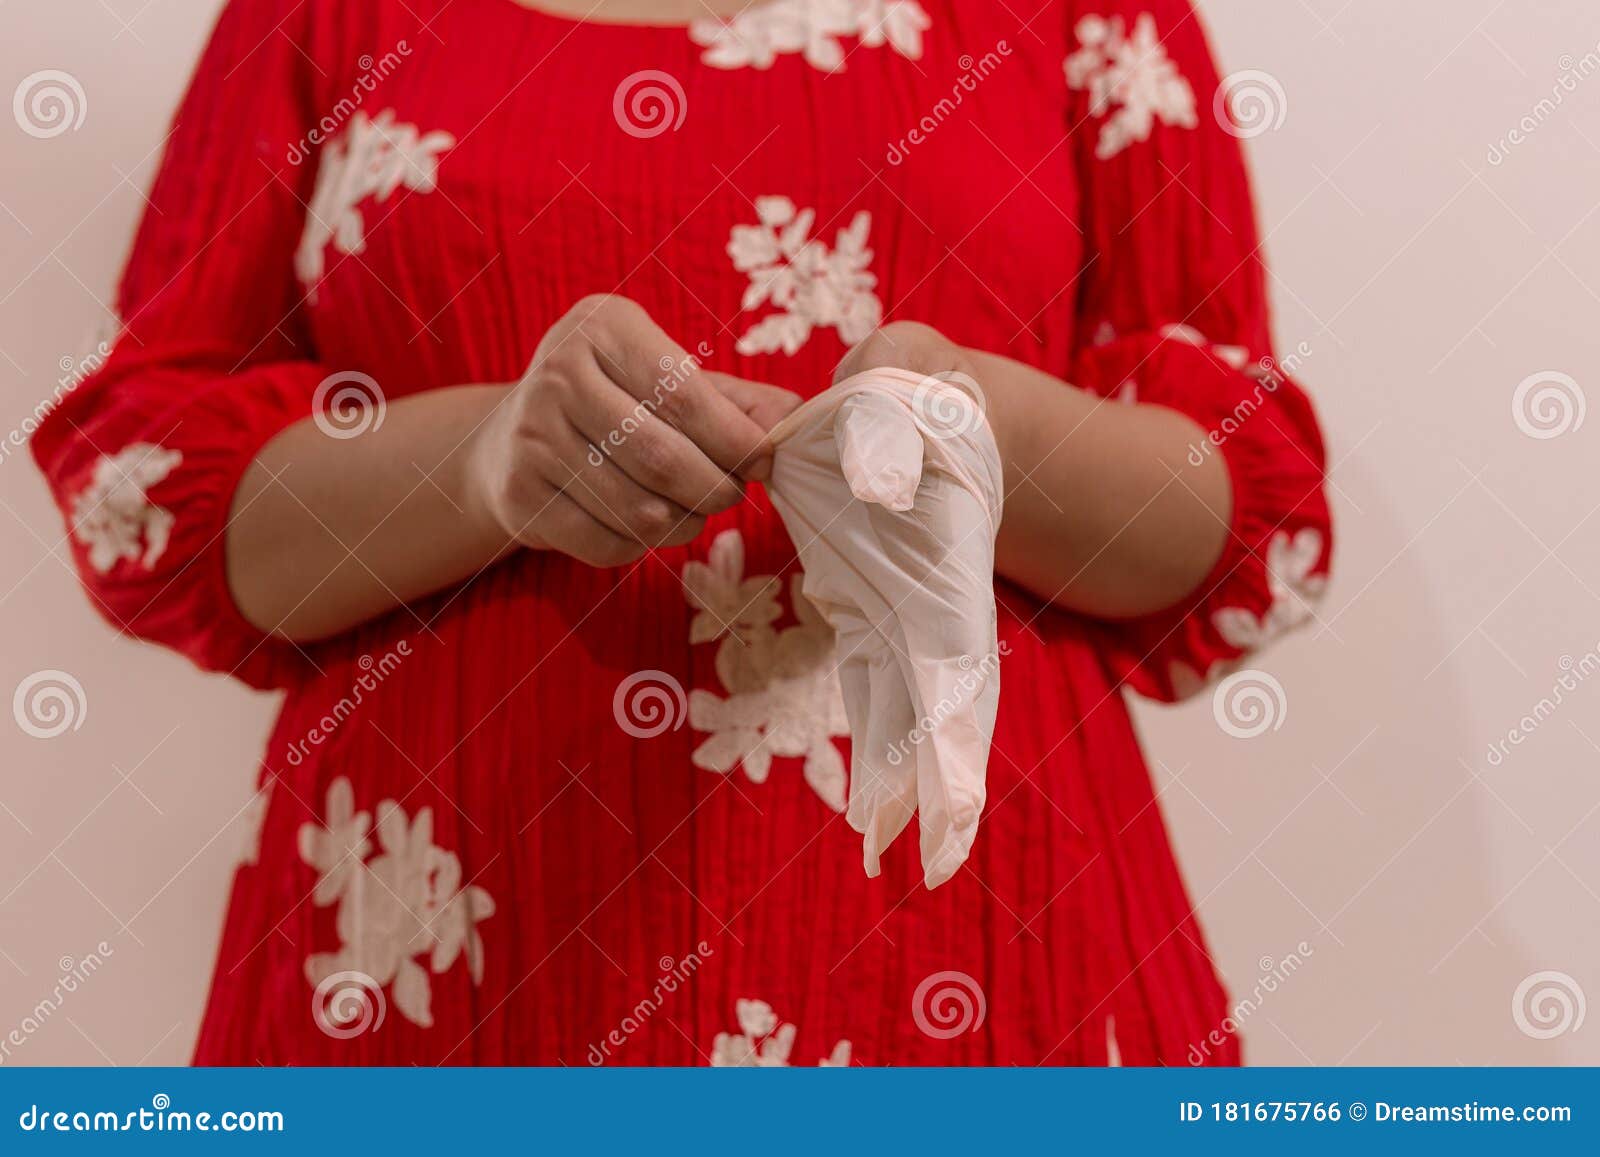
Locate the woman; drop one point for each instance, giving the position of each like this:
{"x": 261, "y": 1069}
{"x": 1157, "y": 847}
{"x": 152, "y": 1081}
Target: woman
{"x": 404, "y": 421}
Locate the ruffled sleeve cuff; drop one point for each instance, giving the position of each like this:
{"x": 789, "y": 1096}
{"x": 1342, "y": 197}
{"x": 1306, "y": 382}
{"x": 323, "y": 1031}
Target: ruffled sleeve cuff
{"x": 144, "y": 461}
{"x": 1273, "y": 567}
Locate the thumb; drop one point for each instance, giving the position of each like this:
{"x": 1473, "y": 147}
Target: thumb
{"x": 763, "y": 404}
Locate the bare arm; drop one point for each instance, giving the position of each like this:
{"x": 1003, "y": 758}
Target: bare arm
{"x": 1104, "y": 513}
{"x": 613, "y": 442}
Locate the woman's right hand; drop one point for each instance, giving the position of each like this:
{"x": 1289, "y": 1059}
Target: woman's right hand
{"x": 615, "y": 440}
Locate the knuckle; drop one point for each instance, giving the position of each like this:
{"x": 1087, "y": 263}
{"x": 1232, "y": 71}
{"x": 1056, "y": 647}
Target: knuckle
{"x": 655, "y": 461}
{"x": 673, "y": 406}
{"x": 899, "y": 331}
{"x": 654, "y": 519}
{"x": 605, "y": 308}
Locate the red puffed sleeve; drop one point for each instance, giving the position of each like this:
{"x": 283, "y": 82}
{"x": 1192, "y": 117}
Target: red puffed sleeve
{"x": 212, "y": 359}
{"x": 1173, "y": 312}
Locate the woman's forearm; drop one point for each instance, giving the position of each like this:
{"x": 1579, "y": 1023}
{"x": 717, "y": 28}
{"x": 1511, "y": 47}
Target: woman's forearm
{"x": 613, "y": 441}
{"x": 1105, "y": 511}
{"x": 327, "y": 532}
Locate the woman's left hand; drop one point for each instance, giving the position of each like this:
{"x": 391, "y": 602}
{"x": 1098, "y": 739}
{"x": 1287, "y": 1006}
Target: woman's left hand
{"x": 906, "y": 345}
{"x": 921, "y": 349}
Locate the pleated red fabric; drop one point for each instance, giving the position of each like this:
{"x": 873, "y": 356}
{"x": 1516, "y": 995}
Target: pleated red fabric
{"x": 477, "y": 844}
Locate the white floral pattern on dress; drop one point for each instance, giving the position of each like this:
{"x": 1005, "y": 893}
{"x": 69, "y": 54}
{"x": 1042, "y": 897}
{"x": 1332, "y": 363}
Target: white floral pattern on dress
{"x": 757, "y": 36}
{"x": 1130, "y": 80}
{"x": 762, "y": 1042}
{"x": 113, "y": 515}
{"x": 1235, "y": 356}
{"x": 813, "y": 285}
{"x": 1294, "y": 589}
{"x": 784, "y": 696}
{"x": 405, "y": 902}
{"x": 375, "y": 157}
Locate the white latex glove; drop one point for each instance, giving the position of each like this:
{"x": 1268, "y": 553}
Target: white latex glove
{"x": 894, "y": 509}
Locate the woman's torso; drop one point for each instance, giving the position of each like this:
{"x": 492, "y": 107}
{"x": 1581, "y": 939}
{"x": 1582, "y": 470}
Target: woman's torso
{"x": 515, "y": 711}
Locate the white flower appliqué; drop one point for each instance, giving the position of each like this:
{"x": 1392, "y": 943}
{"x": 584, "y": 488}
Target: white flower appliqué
{"x": 113, "y": 515}
{"x": 404, "y": 902}
{"x": 761, "y": 33}
{"x": 813, "y": 285}
{"x": 1130, "y": 80}
{"x": 763, "y": 1043}
{"x": 1295, "y": 591}
{"x": 783, "y": 687}
{"x": 375, "y": 157}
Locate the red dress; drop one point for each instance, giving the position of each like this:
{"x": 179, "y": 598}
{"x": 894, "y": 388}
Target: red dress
{"x": 561, "y": 815}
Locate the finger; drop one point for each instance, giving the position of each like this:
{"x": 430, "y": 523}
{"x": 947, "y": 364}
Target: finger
{"x": 653, "y": 368}
{"x": 616, "y": 501}
{"x": 567, "y": 527}
{"x": 764, "y": 404}
{"x": 652, "y": 453}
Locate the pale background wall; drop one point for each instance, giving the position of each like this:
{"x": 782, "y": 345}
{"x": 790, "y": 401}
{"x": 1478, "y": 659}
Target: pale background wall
{"x": 1428, "y": 283}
